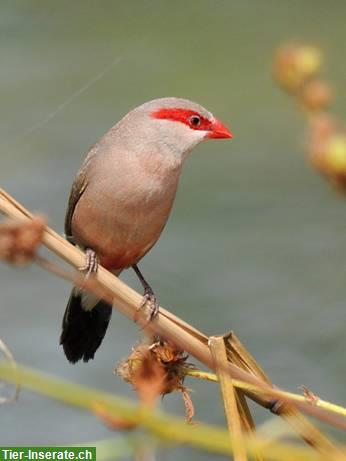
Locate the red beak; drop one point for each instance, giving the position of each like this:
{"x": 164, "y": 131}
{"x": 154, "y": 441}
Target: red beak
{"x": 218, "y": 130}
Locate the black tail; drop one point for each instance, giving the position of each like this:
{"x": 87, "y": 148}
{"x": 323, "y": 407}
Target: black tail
{"x": 83, "y": 330}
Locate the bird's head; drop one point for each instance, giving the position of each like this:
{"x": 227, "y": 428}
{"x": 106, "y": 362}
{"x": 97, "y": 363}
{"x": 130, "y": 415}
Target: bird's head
{"x": 176, "y": 125}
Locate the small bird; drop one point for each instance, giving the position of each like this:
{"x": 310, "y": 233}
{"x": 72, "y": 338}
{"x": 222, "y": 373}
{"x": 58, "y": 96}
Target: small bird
{"x": 120, "y": 201}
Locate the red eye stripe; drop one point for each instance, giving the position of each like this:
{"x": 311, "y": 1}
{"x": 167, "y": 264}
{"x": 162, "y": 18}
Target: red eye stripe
{"x": 183, "y": 116}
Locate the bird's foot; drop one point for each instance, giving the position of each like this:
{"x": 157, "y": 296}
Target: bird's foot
{"x": 150, "y": 302}
{"x": 91, "y": 263}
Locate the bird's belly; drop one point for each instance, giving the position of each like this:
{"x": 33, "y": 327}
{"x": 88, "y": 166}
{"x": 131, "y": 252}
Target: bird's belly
{"x": 121, "y": 231}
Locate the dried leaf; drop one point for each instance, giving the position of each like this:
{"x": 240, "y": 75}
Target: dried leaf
{"x": 229, "y": 396}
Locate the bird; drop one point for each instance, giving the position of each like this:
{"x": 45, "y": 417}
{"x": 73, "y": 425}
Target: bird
{"x": 120, "y": 201}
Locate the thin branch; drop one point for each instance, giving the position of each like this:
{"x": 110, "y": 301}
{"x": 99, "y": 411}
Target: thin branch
{"x": 280, "y": 394}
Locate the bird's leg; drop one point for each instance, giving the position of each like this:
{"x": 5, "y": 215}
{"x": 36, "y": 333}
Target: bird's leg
{"x": 91, "y": 263}
{"x": 149, "y": 298}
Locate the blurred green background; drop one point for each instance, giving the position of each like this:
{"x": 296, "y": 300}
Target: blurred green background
{"x": 256, "y": 242}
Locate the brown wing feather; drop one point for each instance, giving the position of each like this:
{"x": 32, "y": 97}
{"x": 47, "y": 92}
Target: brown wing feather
{"x": 78, "y": 188}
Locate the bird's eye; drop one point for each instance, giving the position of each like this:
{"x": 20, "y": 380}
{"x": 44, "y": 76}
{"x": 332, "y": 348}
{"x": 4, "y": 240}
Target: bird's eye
{"x": 195, "y": 121}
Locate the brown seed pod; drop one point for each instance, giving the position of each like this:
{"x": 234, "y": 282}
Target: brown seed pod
{"x": 155, "y": 370}
{"x": 327, "y": 149}
{"x": 315, "y": 96}
{"x": 296, "y": 64}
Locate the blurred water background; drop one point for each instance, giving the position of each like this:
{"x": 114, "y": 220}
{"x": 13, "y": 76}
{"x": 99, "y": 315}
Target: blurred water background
{"x": 256, "y": 242}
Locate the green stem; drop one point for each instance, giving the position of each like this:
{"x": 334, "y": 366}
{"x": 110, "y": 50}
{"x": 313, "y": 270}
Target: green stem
{"x": 202, "y": 436}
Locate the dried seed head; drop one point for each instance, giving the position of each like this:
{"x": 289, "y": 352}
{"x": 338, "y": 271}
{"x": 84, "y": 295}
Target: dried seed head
{"x": 19, "y": 240}
{"x": 295, "y": 64}
{"x": 327, "y": 150}
{"x": 315, "y": 96}
{"x": 155, "y": 370}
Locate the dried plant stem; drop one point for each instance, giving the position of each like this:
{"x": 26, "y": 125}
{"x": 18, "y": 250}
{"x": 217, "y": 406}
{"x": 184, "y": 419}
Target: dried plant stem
{"x": 240, "y": 356}
{"x": 282, "y": 395}
{"x": 170, "y": 327}
{"x": 229, "y": 395}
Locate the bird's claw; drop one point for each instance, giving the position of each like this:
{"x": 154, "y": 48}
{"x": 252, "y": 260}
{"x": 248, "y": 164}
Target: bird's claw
{"x": 91, "y": 263}
{"x": 149, "y": 301}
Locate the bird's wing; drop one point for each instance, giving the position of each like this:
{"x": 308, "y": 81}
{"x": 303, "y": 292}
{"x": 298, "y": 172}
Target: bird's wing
{"x": 78, "y": 188}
